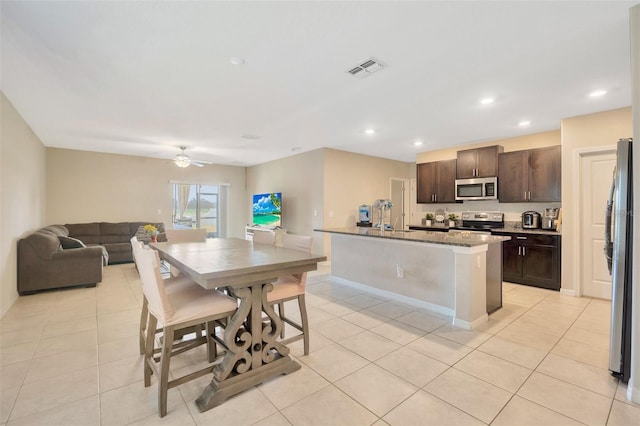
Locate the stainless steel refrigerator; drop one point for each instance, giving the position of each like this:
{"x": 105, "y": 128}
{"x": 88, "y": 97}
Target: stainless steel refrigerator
{"x": 618, "y": 245}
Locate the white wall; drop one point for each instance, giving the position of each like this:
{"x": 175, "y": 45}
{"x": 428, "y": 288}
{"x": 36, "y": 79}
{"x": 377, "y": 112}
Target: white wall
{"x": 22, "y": 193}
{"x": 85, "y": 186}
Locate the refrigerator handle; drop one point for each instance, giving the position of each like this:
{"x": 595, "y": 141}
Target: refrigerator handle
{"x": 608, "y": 243}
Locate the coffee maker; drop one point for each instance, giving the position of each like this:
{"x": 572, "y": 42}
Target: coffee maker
{"x": 549, "y": 218}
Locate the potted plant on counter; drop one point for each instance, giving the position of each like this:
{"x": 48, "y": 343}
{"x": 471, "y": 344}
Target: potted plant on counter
{"x": 452, "y": 219}
{"x": 427, "y": 219}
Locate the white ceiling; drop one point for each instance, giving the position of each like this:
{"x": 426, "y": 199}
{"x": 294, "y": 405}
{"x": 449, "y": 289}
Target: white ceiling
{"x": 142, "y": 78}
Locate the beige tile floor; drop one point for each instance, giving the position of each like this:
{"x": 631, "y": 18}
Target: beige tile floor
{"x": 70, "y": 357}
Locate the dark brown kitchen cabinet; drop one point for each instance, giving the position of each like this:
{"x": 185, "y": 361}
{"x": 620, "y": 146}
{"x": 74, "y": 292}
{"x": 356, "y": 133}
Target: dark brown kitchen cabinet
{"x": 436, "y": 182}
{"x": 479, "y": 162}
{"x": 530, "y": 175}
{"x": 531, "y": 259}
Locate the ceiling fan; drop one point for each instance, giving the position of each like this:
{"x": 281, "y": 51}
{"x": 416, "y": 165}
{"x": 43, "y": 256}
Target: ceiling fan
{"x": 183, "y": 160}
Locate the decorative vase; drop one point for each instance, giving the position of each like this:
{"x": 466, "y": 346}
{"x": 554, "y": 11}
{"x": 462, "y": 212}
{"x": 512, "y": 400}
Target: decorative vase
{"x": 452, "y": 223}
{"x": 427, "y": 222}
{"x": 154, "y": 238}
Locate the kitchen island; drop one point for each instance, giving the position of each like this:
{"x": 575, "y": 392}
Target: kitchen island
{"x": 454, "y": 274}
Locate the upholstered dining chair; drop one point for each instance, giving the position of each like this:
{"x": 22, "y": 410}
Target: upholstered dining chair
{"x": 172, "y": 284}
{"x": 290, "y": 287}
{"x": 177, "y": 310}
{"x": 265, "y": 236}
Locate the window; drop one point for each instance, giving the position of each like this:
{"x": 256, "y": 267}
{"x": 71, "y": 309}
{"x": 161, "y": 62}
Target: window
{"x": 200, "y": 206}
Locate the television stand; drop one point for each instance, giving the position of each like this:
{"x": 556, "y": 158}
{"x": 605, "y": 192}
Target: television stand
{"x": 248, "y": 231}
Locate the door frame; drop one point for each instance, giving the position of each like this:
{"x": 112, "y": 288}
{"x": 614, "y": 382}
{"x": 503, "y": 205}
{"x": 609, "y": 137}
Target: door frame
{"x": 578, "y": 157}
{"x": 406, "y": 207}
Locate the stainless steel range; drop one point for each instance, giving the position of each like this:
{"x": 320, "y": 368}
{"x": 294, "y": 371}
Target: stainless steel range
{"x": 482, "y": 220}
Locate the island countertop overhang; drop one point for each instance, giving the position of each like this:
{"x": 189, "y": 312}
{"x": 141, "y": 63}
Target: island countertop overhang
{"x": 454, "y": 238}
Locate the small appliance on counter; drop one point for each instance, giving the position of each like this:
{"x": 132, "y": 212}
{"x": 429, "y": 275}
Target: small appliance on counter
{"x": 530, "y": 220}
{"x": 364, "y": 215}
{"x": 549, "y": 218}
{"x": 439, "y": 218}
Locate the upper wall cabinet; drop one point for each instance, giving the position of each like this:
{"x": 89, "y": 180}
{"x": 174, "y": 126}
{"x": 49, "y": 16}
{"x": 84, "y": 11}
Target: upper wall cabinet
{"x": 436, "y": 182}
{"x": 479, "y": 162}
{"x": 530, "y": 175}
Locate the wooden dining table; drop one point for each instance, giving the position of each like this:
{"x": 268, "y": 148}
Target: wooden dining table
{"x": 246, "y": 270}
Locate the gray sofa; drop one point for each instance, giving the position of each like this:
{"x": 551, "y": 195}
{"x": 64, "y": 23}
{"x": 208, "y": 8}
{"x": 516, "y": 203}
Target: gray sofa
{"x": 44, "y": 264}
{"x": 115, "y": 237}
{"x": 72, "y": 255}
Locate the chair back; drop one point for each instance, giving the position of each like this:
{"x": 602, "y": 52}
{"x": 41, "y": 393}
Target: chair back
{"x": 148, "y": 263}
{"x": 186, "y": 235}
{"x": 264, "y": 236}
{"x": 296, "y": 242}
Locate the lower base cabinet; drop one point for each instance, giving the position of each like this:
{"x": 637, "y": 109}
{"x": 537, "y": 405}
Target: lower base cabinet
{"x": 531, "y": 259}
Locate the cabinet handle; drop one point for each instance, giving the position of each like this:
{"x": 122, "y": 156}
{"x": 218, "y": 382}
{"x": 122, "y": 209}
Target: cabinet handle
{"x": 525, "y": 195}
{"x": 521, "y": 238}
{"x": 529, "y": 196}
{"x": 519, "y": 250}
{"x": 524, "y": 251}
{"x": 436, "y": 197}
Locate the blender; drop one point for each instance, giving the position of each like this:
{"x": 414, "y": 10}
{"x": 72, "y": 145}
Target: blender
{"x": 549, "y": 218}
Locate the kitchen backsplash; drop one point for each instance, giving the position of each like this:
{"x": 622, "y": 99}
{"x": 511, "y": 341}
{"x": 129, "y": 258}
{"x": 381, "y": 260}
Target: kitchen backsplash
{"x": 512, "y": 211}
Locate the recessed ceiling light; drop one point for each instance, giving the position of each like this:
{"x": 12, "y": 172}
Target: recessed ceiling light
{"x": 524, "y": 123}
{"x": 597, "y": 93}
{"x": 236, "y": 61}
{"x": 417, "y": 143}
{"x": 370, "y": 132}
{"x": 250, "y": 136}
{"x": 487, "y": 101}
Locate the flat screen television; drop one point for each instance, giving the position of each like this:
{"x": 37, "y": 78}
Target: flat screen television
{"x": 267, "y": 209}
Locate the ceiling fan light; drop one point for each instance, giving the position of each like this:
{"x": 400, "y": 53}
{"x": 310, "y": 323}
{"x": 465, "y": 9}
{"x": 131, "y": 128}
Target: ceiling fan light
{"x": 182, "y": 160}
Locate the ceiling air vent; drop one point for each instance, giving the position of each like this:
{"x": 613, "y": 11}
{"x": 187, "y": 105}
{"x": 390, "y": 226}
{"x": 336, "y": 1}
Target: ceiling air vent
{"x": 365, "y": 68}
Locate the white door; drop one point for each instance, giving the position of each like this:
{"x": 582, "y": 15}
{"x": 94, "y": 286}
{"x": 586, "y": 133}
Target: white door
{"x": 595, "y": 184}
{"x": 399, "y": 198}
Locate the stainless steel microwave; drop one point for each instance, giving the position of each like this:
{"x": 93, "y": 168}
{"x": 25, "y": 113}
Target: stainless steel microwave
{"x": 477, "y": 189}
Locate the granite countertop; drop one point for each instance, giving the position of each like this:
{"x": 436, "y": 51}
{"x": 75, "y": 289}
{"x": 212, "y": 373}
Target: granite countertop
{"x": 454, "y": 238}
{"x": 508, "y": 227}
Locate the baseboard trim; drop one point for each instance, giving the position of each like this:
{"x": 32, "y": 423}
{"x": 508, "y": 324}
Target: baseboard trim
{"x": 566, "y": 292}
{"x": 437, "y": 309}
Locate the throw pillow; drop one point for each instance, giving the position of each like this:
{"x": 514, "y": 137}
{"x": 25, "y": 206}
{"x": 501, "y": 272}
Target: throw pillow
{"x": 70, "y": 243}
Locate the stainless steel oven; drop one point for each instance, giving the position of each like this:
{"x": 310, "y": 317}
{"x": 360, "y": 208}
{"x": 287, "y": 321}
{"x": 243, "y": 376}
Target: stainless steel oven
{"x": 477, "y": 189}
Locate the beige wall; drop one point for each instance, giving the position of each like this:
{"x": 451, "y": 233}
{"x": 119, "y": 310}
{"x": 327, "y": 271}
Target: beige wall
{"x": 323, "y": 188}
{"x": 354, "y": 179}
{"x": 536, "y": 140}
{"x": 602, "y": 129}
{"x": 299, "y": 178}
{"x": 87, "y": 186}
{"x": 22, "y": 193}
{"x": 512, "y": 211}
{"x": 633, "y": 391}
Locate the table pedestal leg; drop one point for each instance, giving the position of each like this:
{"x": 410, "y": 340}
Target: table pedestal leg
{"x": 253, "y": 353}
